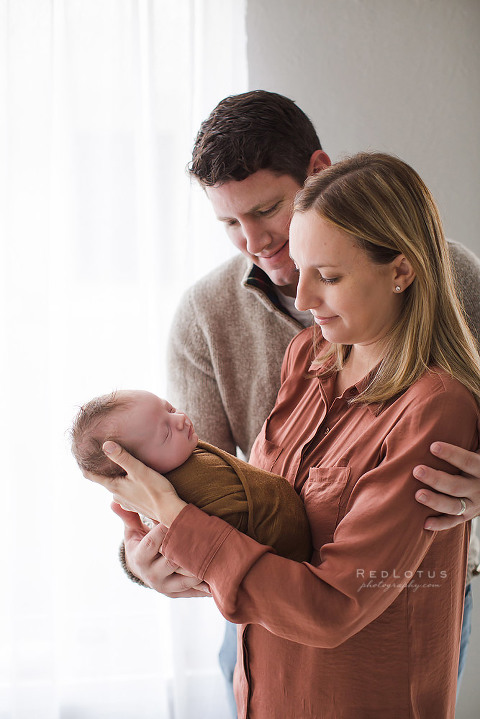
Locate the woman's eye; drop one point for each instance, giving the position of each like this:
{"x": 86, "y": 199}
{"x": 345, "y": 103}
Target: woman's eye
{"x": 329, "y": 280}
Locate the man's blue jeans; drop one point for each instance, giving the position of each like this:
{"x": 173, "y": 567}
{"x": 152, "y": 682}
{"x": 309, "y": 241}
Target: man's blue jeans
{"x": 466, "y": 630}
{"x": 227, "y": 659}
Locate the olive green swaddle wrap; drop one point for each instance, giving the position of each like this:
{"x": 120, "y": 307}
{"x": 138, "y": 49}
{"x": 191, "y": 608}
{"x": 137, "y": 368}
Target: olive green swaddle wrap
{"x": 263, "y": 505}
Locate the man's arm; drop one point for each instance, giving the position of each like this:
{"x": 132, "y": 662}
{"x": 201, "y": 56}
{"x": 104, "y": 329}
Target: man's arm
{"x": 448, "y": 489}
{"x": 466, "y": 267}
{"x": 192, "y": 383}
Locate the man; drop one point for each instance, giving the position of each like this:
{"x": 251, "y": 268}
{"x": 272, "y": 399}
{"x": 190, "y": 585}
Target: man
{"x": 251, "y": 156}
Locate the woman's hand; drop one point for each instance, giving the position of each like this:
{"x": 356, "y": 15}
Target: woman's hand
{"x": 144, "y": 559}
{"x": 142, "y": 489}
{"x": 450, "y": 489}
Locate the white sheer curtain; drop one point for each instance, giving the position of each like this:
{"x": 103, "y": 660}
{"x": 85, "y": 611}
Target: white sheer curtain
{"x": 100, "y": 233}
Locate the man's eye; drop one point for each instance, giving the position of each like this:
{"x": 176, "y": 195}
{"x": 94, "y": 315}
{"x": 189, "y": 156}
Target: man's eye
{"x": 269, "y": 210}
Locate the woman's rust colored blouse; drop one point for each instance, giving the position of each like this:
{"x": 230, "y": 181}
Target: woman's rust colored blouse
{"x": 370, "y": 627}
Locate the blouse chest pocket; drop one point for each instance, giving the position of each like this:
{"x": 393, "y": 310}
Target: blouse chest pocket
{"x": 324, "y": 496}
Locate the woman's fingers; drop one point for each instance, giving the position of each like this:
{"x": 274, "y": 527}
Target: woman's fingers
{"x": 144, "y": 559}
{"x": 130, "y": 519}
{"x": 120, "y": 456}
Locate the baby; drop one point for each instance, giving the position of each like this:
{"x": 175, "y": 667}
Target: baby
{"x": 263, "y": 505}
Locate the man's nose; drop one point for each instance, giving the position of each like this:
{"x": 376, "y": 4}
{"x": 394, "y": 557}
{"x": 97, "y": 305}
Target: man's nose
{"x": 256, "y": 237}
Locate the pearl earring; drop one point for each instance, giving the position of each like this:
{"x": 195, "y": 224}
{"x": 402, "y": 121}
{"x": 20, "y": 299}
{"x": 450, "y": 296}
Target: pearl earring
{"x": 398, "y": 288}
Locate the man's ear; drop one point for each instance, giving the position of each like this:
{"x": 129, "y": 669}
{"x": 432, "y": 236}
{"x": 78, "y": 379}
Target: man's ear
{"x": 403, "y": 273}
{"x": 318, "y": 161}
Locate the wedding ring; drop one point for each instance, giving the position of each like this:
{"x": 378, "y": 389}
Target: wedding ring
{"x": 463, "y": 507}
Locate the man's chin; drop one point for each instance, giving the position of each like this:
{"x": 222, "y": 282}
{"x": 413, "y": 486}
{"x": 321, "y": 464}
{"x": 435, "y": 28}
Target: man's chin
{"x": 280, "y": 276}
{"x": 285, "y": 285}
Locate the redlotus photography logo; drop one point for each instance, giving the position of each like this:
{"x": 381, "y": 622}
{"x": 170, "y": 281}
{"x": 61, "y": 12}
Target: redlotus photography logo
{"x": 393, "y": 579}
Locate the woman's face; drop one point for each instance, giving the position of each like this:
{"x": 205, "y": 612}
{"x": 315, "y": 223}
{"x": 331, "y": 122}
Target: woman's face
{"x": 351, "y": 298}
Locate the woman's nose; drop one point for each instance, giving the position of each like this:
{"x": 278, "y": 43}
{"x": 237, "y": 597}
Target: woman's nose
{"x": 305, "y": 299}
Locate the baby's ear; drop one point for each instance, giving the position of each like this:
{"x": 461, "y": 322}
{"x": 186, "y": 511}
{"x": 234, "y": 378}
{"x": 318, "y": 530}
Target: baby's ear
{"x": 108, "y": 472}
{"x": 113, "y": 470}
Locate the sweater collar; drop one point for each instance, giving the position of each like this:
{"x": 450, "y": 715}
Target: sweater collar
{"x": 258, "y": 279}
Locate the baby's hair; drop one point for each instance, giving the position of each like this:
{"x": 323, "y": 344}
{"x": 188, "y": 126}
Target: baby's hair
{"x": 87, "y": 436}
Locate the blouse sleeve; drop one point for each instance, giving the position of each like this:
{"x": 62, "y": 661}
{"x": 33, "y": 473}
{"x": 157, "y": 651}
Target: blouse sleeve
{"x": 381, "y": 530}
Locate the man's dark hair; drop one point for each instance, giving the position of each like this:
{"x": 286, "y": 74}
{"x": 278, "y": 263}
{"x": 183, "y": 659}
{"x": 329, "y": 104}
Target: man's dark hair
{"x": 256, "y": 130}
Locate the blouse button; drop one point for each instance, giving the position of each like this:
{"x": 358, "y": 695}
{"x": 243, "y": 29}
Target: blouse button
{"x": 327, "y": 430}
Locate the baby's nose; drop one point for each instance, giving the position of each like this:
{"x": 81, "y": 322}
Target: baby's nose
{"x": 180, "y": 420}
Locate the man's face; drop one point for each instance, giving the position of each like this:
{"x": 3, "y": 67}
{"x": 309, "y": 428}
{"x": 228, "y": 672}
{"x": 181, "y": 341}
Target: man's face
{"x": 256, "y": 213}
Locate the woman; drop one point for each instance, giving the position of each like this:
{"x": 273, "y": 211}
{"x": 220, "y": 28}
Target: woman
{"x": 371, "y": 625}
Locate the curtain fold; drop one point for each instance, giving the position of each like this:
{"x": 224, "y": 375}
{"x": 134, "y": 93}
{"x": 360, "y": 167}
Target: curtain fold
{"x": 100, "y": 233}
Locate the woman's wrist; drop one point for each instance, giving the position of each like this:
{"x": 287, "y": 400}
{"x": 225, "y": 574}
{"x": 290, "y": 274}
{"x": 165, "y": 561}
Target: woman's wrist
{"x": 170, "y": 508}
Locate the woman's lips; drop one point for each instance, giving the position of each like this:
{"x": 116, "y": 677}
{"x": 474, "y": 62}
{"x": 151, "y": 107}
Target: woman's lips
{"x": 324, "y": 320}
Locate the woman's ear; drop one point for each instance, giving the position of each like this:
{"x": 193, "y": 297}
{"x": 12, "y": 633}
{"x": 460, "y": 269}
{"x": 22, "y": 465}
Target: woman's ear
{"x": 403, "y": 273}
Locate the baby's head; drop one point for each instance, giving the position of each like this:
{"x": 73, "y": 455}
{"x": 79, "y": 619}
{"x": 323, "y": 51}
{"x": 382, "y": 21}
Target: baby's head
{"x": 145, "y": 425}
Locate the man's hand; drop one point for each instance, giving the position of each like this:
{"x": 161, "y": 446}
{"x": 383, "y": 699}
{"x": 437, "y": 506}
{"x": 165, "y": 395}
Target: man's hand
{"x": 142, "y": 553}
{"x": 450, "y": 489}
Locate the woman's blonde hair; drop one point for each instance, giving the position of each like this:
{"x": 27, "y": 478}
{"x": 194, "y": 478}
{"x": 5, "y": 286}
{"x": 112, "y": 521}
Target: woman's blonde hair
{"x": 383, "y": 203}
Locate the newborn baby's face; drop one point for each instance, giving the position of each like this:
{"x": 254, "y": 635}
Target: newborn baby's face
{"x": 155, "y": 432}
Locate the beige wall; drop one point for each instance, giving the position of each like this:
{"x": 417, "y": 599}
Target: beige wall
{"x": 394, "y": 75}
